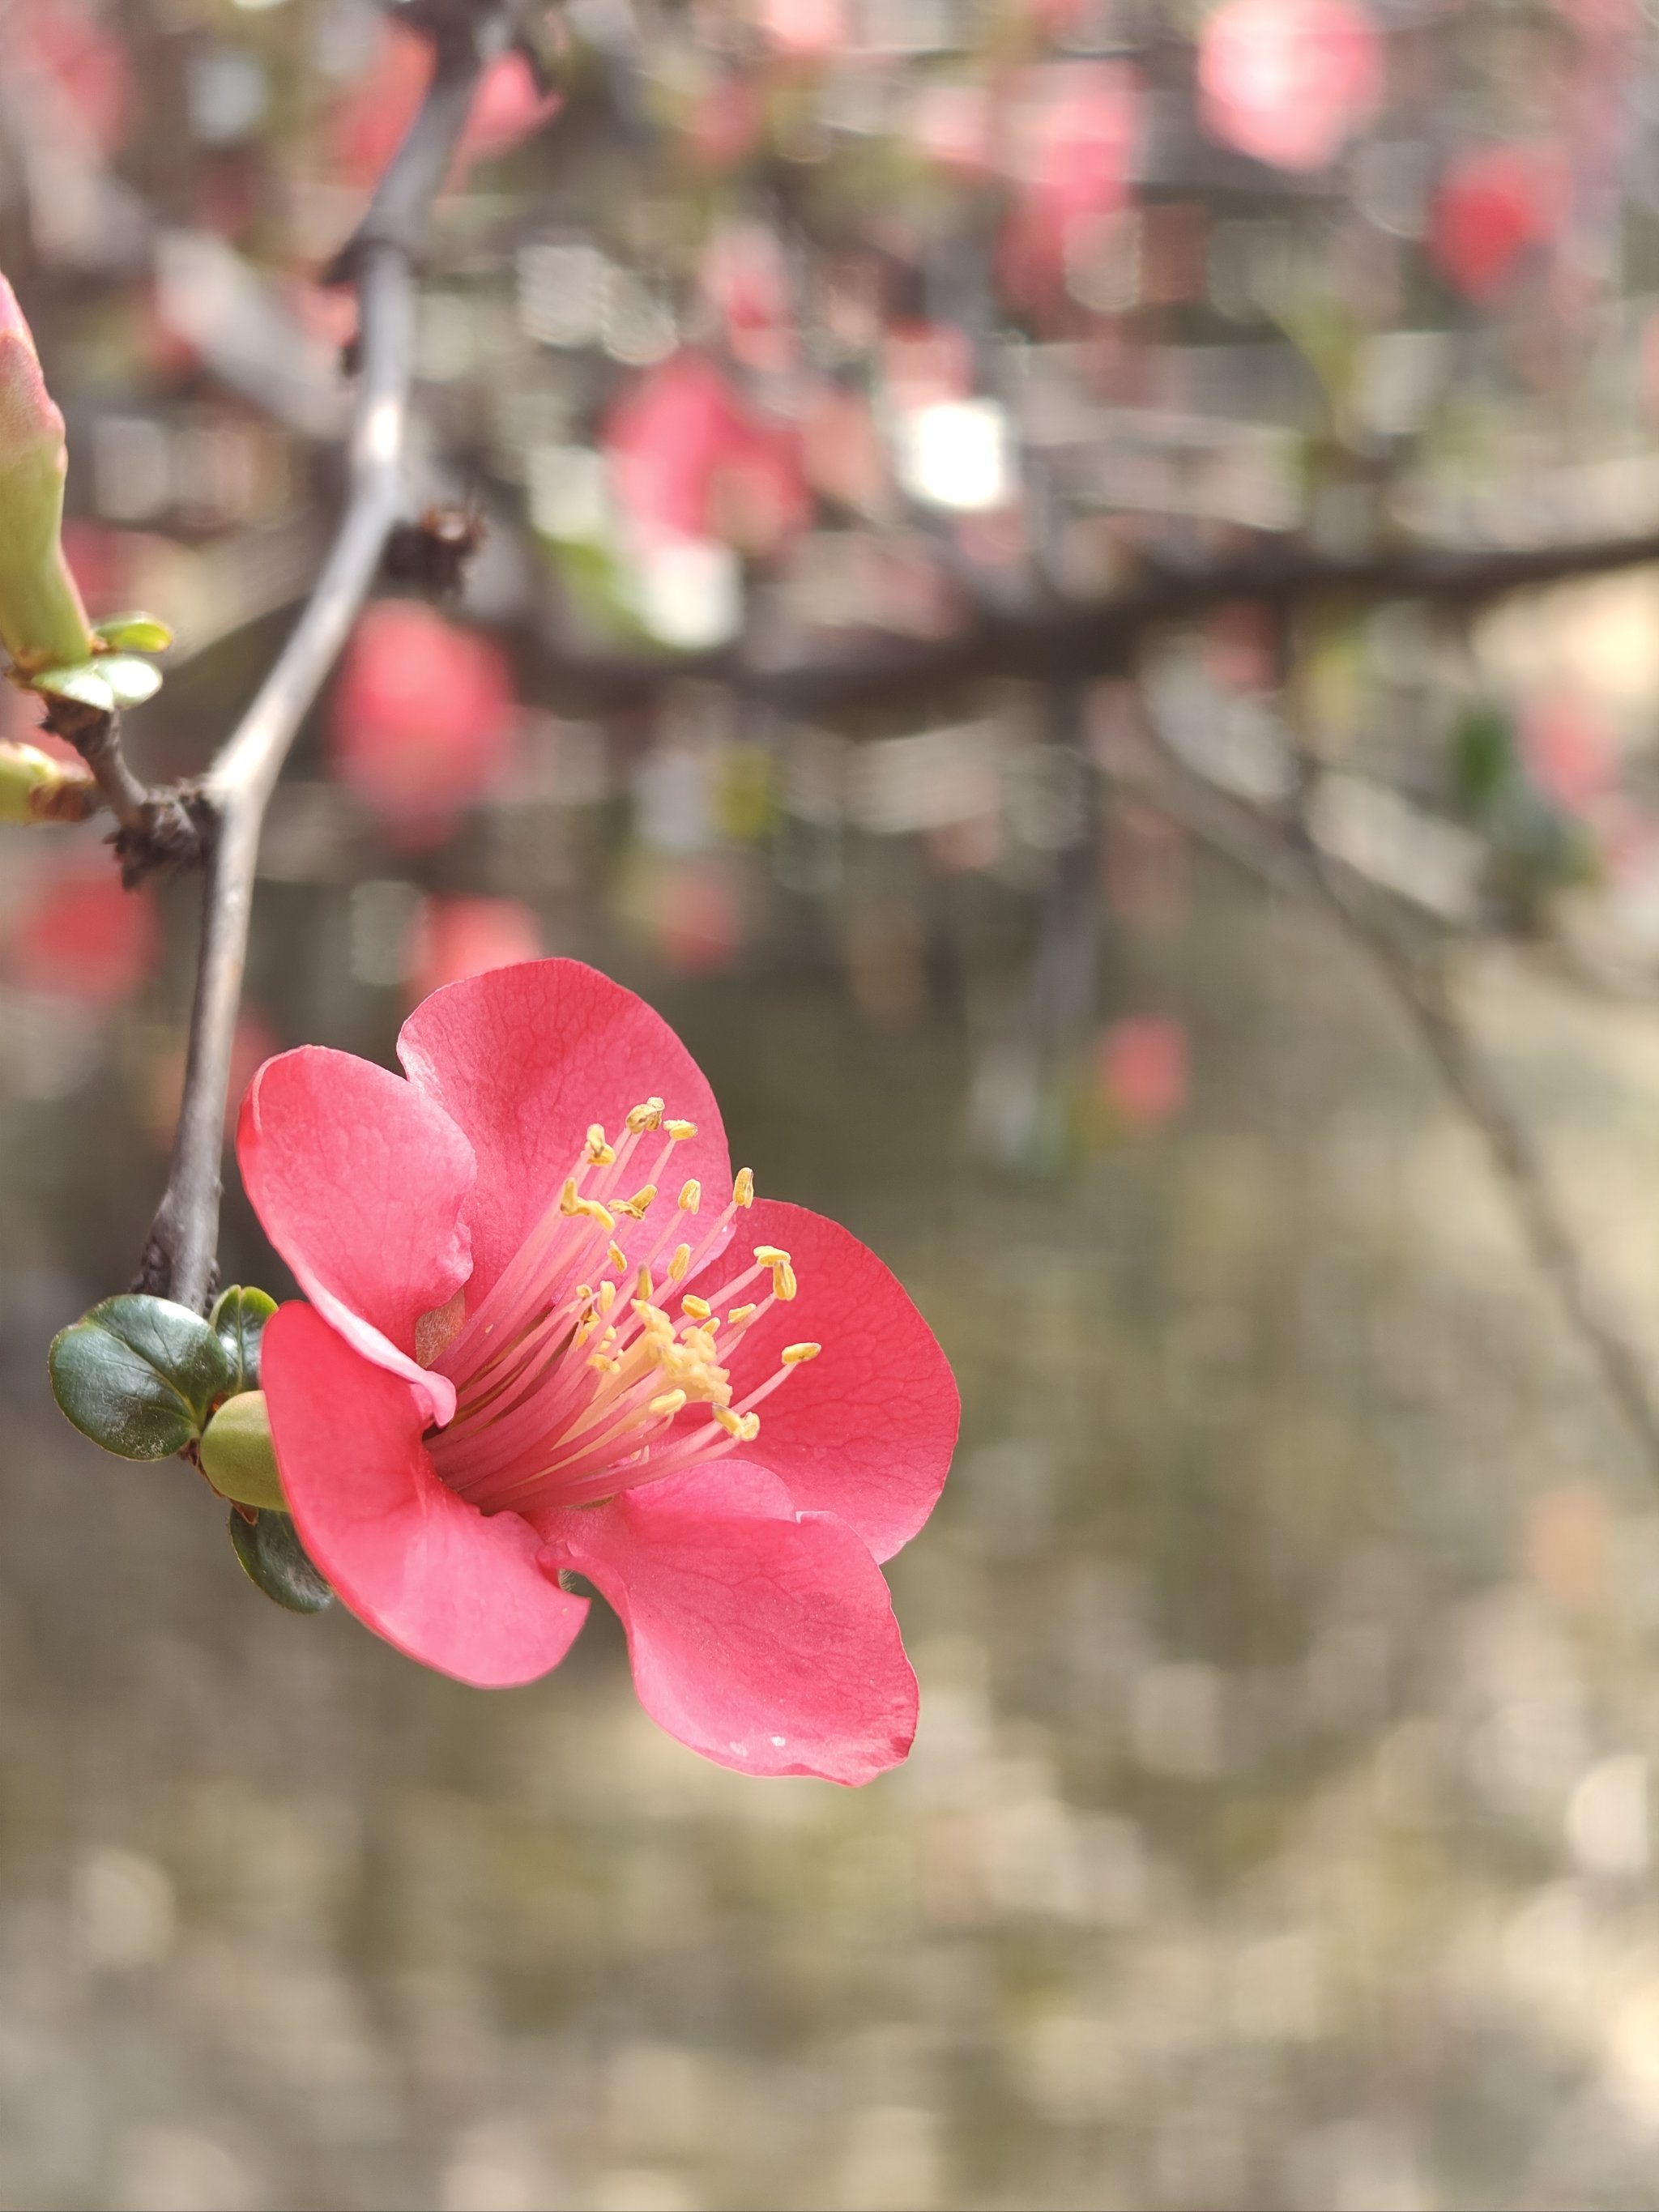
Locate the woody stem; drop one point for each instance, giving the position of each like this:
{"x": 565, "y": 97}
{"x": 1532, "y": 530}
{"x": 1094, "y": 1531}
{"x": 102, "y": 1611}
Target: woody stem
{"x": 380, "y": 261}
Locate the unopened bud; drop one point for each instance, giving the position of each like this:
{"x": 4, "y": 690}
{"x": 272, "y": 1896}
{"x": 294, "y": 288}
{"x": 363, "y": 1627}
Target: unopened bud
{"x": 43, "y": 623}
{"x": 35, "y": 787}
{"x": 237, "y": 1456}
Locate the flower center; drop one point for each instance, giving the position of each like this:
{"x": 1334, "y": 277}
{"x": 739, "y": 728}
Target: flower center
{"x": 587, "y": 1369}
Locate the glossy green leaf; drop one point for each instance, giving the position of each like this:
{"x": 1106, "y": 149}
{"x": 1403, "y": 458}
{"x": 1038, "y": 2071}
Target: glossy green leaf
{"x": 139, "y": 1374}
{"x": 135, "y": 633}
{"x": 131, "y": 681}
{"x": 272, "y": 1556}
{"x": 239, "y": 1319}
{"x": 84, "y": 682}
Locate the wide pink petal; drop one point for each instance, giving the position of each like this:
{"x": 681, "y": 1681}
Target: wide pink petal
{"x": 360, "y": 1179}
{"x": 418, "y": 1564}
{"x": 866, "y": 1431}
{"x": 524, "y": 1059}
{"x": 764, "y": 1640}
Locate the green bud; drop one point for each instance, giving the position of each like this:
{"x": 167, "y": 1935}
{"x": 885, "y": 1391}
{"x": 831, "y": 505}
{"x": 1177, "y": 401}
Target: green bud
{"x": 43, "y": 623}
{"x": 237, "y": 1456}
{"x": 35, "y": 787}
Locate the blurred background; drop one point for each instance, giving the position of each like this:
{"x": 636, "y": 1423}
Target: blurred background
{"x": 1278, "y": 1829}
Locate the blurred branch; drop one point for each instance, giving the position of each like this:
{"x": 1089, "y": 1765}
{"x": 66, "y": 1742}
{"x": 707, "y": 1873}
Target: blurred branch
{"x": 1283, "y": 849}
{"x": 379, "y": 260}
{"x": 1099, "y": 637}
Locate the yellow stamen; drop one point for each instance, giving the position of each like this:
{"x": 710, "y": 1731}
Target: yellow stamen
{"x": 679, "y": 1131}
{"x": 608, "y": 1295}
{"x": 699, "y": 1308}
{"x": 589, "y": 1207}
{"x": 734, "y": 1423}
{"x": 784, "y": 1285}
{"x": 794, "y": 1355}
{"x": 738, "y": 1314}
{"x": 648, "y": 1116}
{"x": 670, "y": 1402}
{"x": 640, "y": 1203}
{"x": 599, "y": 1154}
{"x": 691, "y": 1196}
{"x": 643, "y": 1286}
{"x": 743, "y": 1190}
{"x": 680, "y": 1262}
{"x": 618, "y": 1258}
{"x": 771, "y": 1255}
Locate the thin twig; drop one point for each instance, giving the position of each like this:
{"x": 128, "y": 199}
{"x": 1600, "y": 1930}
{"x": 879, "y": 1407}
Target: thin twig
{"x": 157, "y": 828}
{"x": 178, "y": 1259}
{"x": 1283, "y": 849}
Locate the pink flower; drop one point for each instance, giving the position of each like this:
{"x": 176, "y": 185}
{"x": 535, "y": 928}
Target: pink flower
{"x": 1289, "y": 82}
{"x": 690, "y": 461}
{"x": 1491, "y": 206}
{"x": 1142, "y": 1068}
{"x": 1072, "y": 136}
{"x": 421, "y": 720}
{"x": 506, "y": 1375}
{"x": 82, "y": 937}
{"x": 455, "y": 937}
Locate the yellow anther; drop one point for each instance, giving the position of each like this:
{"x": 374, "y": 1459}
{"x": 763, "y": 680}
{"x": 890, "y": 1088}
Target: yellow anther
{"x": 691, "y": 1196}
{"x": 679, "y": 1131}
{"x": 588, "y": 1208}
{"x": 795, "y": 1355}
{"x": 699, "y": 1308}
{"x": 771, "y": 1255}
{"x": 618, "y": 1258}
{"x": 738, "y": 1314}
{"x": 584, "y": 1292}
{"x": 784, "y": 1285}
{"x": 604, "y": 1363}
{"x": 680, "y": 1262}
{"x": 731, "y": 1422}
{"x": 743, "y": 1190}
{"x": 670, "y": 1402}
{"x": 648, "y": 1116}
{"x": 608, "y": 1295}
{"x": 599, "y": 1154}
{"x": 643, "y": 1286}
{"x": 639, "y": 1204}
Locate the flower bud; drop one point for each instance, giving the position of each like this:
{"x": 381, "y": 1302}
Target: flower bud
{"x": 35, "y": 787}
{"x": 43, "y": 623}
{"x": 237, "y": 1456}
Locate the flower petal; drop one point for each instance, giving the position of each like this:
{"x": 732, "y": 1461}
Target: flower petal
{"x": 764, "y": 1640}
{"x": 866, "y": 1431}
{"x": 360, "y": 1179}
{"x": 414, "y": 1562}
{"x": 524, "y": 1058}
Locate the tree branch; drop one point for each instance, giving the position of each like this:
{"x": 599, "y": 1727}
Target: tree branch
{"x": 179, "y": 1258}
{"x": 1285, "y": 852}
{"x": 1079, "y": 640}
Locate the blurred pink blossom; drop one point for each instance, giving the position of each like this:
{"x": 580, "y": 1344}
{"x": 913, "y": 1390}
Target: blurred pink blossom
{"x": 1491, "y": 206}
{"x": 423, "y": 719}
{"x": 1141, "y": 1067}
{"x": 1289, "y": 82}
{"x": 455, "y": 937}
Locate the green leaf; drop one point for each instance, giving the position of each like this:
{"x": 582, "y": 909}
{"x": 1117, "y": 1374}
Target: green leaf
{"x": 237, "y": 1455}
{"x": 1484, "y": 760}
{"x": 272, "y": 1556}
{"x": 135, "y": 633}
{"x": 84, "y": 682}
{"x": 237, "y": 1320}
{"x": 131, "y": 681}
{"x": 139, "y": 1374}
